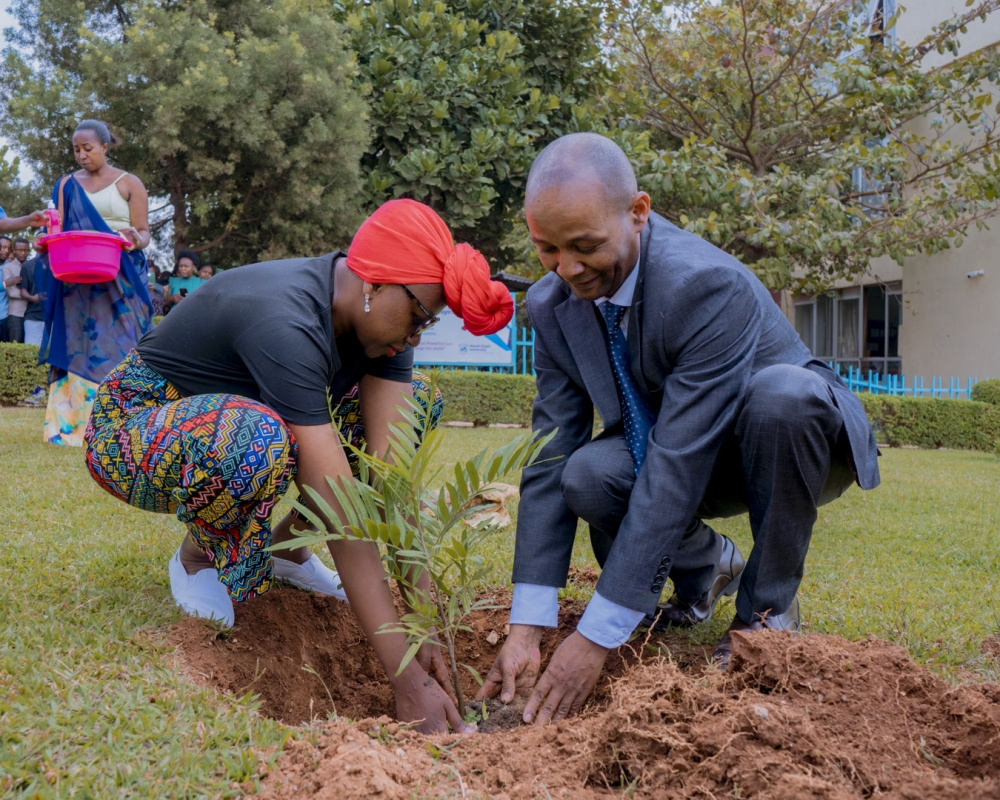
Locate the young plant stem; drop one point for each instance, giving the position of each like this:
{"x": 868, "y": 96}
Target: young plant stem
{"x": 450, "y": 641}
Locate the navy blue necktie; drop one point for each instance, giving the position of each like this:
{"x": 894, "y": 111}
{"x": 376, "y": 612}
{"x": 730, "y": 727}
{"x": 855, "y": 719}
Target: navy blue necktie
{"x": 636, "y": 413}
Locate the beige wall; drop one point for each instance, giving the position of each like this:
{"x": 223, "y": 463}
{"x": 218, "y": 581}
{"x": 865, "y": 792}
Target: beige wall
{"x": 951, "y": 323}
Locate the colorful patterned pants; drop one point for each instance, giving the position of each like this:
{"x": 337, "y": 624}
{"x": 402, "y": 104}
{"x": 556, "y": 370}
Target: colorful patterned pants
{"x": 219, "y": 462}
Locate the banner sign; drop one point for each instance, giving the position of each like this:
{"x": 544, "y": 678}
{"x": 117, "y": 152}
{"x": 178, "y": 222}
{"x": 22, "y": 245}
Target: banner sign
{"x": 447, "y": 344}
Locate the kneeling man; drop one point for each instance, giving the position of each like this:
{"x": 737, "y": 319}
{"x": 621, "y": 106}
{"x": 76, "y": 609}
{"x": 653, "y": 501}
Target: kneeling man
{"x": 712, "y": 407}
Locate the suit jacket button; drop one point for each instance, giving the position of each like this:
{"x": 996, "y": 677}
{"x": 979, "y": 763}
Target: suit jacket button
{"x": 661, "y": 571}
{"x": 665, "y": 561}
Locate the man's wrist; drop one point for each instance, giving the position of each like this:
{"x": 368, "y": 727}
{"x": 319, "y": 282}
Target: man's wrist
{"x": 530, "y": 633}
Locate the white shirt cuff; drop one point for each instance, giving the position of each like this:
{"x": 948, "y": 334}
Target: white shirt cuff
{"x": 606, "y": 623}
{"x": 535, "y": 605}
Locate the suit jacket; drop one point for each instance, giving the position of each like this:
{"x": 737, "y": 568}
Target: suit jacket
{"x": 701, "y": 324}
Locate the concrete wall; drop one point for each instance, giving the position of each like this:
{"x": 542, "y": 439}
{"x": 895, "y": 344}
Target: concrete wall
{"x": 951, "y": 324}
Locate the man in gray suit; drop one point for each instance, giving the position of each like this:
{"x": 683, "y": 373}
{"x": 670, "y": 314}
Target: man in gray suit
{"x": 711, "y": 405}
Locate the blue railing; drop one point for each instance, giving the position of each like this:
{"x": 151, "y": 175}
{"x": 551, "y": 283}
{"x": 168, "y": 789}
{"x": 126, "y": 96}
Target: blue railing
{"x": 523, "y": 363}
{"x": 877, "y": 383}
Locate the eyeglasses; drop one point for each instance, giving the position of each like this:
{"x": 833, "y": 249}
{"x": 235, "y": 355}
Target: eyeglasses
{"x": 431, "y": 318}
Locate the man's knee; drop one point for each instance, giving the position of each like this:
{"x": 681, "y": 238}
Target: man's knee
{"x": 786, "y": 397}
{"x": 596, "y": 486}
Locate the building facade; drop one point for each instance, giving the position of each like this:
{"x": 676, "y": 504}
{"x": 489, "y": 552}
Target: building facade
{"x": 936, "y": 315}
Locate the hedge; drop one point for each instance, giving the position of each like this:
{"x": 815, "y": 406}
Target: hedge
{"x": 987, "y": 392}
{"x": 932, "y": 422}
{"x": 486, "y": 397}
{"x": 19, "y": 372}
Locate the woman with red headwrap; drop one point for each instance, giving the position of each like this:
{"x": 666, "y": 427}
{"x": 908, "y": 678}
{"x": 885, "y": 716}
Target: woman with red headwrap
{"x": 226, "y": 402}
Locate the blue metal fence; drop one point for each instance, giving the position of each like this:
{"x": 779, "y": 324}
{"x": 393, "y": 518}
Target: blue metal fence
{"x": 523, "y": 363}
{"x": 877, "y": 383}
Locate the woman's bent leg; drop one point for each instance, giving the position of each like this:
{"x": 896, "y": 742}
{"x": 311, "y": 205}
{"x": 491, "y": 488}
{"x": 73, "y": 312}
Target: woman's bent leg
{"x": 220, "y": 462}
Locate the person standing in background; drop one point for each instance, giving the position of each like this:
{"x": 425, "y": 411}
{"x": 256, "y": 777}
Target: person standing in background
{"x": 206, "y": 271}
{"x": 185, "y": 279}
{"x": 91, "y": 327}
{"x": 155, "y": 289}
{"x": 16, "y": 304}
{"x": 34, "y": 314}
{"x": 4, "y": 255}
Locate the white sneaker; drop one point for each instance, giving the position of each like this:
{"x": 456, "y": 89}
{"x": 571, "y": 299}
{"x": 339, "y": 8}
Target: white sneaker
{"x": 201, "y": 594}
{"x": 314, "y": 576}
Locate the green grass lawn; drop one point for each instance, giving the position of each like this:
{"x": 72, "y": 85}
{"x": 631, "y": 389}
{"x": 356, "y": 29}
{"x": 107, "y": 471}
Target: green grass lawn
{"x": 91, "y": 704}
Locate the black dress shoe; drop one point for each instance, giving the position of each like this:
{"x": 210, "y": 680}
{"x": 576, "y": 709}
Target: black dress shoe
{"x": 679, "y": 613}
{"x": 789, "y": 621}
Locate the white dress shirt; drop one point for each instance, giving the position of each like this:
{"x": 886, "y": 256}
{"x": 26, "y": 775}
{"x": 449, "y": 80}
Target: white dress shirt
{"x": 604, "y": 622}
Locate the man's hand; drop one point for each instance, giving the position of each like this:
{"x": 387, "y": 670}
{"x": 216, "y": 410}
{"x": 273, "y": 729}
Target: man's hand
{"x": 13, "y": 280}
{"x": 516, "y": 667}
{"x": 37, "y": 219}
{"x": 568, "y": 681}
{"x": 419, "y": 697}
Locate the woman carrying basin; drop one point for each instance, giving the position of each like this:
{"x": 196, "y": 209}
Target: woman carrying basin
{"x": 91, "y": 327}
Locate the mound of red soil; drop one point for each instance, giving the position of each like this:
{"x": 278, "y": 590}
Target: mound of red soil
{"x": 305, "y": 655}
{"x": 808, "y": 717}
{"x": 812, "y": 717}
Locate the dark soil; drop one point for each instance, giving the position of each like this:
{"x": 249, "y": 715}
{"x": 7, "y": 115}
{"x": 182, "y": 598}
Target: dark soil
{"x": 812, "y": 717}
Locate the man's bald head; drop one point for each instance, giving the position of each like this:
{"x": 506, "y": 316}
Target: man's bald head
{"x": 583, "y": 158}
{"x": 585, "y": 213}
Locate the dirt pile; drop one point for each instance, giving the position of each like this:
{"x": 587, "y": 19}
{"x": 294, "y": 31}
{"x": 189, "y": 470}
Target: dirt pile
{"x": 305, "y": 655}
{"x": 809, "y": 717}
{"x": 812, "y": 717}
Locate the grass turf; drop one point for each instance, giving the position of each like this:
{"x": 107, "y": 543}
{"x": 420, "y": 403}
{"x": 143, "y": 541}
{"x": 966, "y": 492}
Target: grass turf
{"x": 91, "y": 703}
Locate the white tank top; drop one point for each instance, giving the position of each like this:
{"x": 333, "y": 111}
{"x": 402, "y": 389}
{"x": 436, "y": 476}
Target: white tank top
{"x": 112, "y": 207}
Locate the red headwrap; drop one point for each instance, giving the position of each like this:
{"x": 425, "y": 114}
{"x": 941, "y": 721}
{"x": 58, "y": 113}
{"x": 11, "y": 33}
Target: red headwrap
{"x": 407, "y": 242}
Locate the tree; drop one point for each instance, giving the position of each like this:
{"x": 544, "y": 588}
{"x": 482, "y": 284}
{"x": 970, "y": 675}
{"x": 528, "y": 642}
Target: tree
{"x": 463, "y": 93}
{"x": 243, "y": 115}
{"x": 16, "y": 198}
{"x": 795, "y": 135}
{"x": 420, "y": 531}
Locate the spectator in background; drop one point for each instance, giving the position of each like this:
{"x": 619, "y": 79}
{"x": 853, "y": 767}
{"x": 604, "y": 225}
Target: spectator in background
{"x": 4, "y": 255}
{"x": 184, "y": 280}
{"x": 155, "y": 288}
{"x": 34, "y": 315}
{"x": 206, "y": 271}
{"x": 16, "y": 305}
{"x": 91, "y": 327}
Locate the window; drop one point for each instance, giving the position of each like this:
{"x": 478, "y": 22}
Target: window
{"x": 854, "y": 327}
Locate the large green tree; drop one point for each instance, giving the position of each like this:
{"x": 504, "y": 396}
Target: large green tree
{"x": 464, "y": 92}
{"x": 17, "y": 198}
{"x": 800, "y": 137}
{"x": 243, "y": 115}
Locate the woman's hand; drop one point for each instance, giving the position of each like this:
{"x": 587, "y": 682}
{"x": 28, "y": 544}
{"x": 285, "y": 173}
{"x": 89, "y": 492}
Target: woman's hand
{"x": 134, "y": 237}
{"x": 419, "y": 698}
{"x": 431, "y": 660}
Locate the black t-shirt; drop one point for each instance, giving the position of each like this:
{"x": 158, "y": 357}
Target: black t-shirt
{"x": 34, "y": 312}
{"x": 265, "y": 331}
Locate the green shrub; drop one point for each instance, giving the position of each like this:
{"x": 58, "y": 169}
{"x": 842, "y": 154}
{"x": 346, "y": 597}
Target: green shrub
{"x": 987, "y": 392}
{"x": 932, "y": 422}
{"x": 19, "y": 372}
{"x": 484, "y": 397}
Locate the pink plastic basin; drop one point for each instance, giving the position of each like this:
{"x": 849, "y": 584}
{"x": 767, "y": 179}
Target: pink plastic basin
{"x": 83, "y": 256}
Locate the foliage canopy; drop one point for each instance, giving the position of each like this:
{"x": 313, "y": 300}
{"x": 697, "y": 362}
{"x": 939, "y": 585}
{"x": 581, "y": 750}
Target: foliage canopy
{"x": 243, "y": 115}
{"x": 463, "y": 93}
{"x": 798, "y": 136}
